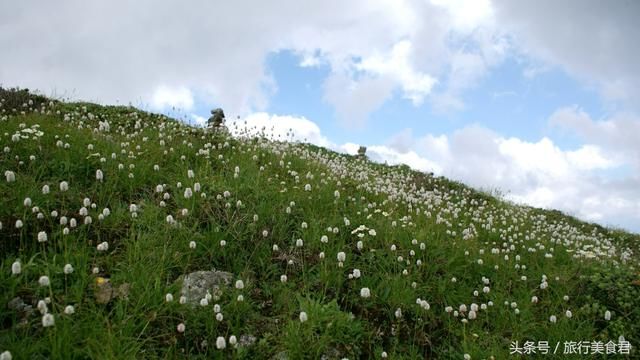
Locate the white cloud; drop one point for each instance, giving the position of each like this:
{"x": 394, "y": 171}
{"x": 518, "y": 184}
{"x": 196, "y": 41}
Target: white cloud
{"x": 593, "y": 40}
{"x": 617, "y": 134}
{"x": 535, "y": 173}
{"x": 215, "y": 52}
{"x": 165, "y": 97}
{"x": 279, "y": 127}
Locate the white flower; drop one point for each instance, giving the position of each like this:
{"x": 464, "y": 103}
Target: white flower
{"x": 42, "y": 236}
{"x": 204, "y": 302}
{"x": 341, "y": 256}
{"x": 42, "y": 307}
{"x": 190, "y": 174}
{"x": 183, "y": 300}
{"x": 356, "y": 273}
{"x": 240, "y": 298}
{"x": 6, "y": 355}
{"x": 99, "y": 175}
{"x": 103, "y": 246}
{"x": 607, "y": 315}
{"x": 16, "y": 267}
{"x": 69, "y": 310}
{"x": 187, "y": 193}
{"x": 181, "y": 328}
{"x": 568, "y": 314}
{"x": 239, "y": 284}
{"x": 168, "y": 297}
{"x": 467, "y": 357}
{"x": 10, "y": 175}
{"x": 283, "y": 278}
{"x": 307, "y": 187}
{"x": 233, "y": 340}
{"x": 219, "y": 317}
{"x": 68, "y": 269}
{"x": 47, "y": 320}
{"x": 472, "y": 315}
{"x": 265, "y": 233}
{"x": 192, "y": 244}
{"x": 45, "y": 189}
{"x": 44, "y": 280}
{"x": 553, "y": 319}
{"x": 384, "y": 355}
{"x": 398, "y": 313}
{"x": 303, "y": 316}
{"x": 220, "y": 343}
{"x": 365, "y": 292}
{"x": 64, "y": 186}
{"x": 299, "y": 243}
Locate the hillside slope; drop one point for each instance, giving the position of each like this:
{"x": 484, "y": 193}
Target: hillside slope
{"x": 106, "y": 209}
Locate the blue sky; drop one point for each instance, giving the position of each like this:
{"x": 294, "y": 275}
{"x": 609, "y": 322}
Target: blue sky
{"x": 498, "y": 94}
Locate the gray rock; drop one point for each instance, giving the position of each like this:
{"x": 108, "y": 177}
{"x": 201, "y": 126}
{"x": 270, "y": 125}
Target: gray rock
{"x": 247, "y": 340}
{"x": 23, "y": 310}
{"x": 196, "y": 284}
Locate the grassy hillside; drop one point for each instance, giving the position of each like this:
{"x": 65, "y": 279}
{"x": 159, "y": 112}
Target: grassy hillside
{"x": 330, "y": 256}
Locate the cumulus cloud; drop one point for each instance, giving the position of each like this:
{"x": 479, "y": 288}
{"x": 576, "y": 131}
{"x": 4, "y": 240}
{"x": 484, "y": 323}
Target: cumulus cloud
{"x": 590, "y": 39}
{"x": 618, "y": 134}
{"x": 537, "y": 173}
{"x": 165, "y": 55}
{"x": 279, "y": 127}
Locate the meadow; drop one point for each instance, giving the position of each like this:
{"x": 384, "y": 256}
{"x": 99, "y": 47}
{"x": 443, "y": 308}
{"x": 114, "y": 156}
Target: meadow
{"x": 106, "y": 209}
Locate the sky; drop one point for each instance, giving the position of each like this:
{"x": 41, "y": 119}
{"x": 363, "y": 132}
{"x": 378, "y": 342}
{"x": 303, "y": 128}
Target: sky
{"x": 536, "y": 100}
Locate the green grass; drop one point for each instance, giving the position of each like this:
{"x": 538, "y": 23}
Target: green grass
{"x": 441, "y": 230}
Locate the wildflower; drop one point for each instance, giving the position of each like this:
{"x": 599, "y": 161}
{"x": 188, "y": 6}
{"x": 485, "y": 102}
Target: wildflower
{"x": 219, "y": 317}
{"x": 240, "y": 298}
{"x": 467, "y": 357}
{"x": 69, "y": 310}
{"x": 342, "y": 256}
{"x": 233, "y": 340}
{"x": 16, "y": 267}
{"x": 188, "y": 193}
{"x": 223, "y": 243}
{"x": 365, "y": 292}
{"x": 307, "y": 187}
{"x": 103, "y": 246}
{"x": 10, "y": 175}
{"x": 204, "y": 302}
{"x": 64, "y": 186}
{"x": 265, "y": 233}
{"x": 42, "y": 236}
{"x": 44, "y": 280}
{"x": 356, "y": 273}
{"x": 68, "y": 269}
{"x": 181, "y": 328}
{"x": 239, "y": 285}
{"x": 168, "y": 298}
{"x": 192, "y": 244}
{"x": 607, "y": 315}
{"x": 283, "y": 278}
{"x": 568, "y": 314}
{"x": 398, "y": 313}
{"x": 99, "y": 175}
{"x": 183, "y": 300}
{"x": 553, "y": 319}
{"x": 47, "y": 320}
{"x": 384, "y": 355}
{"x": 303, "y": 316}
{"x": 299, "y": 243}
{"x": 220, "y": 343}
{"x": 6, "y": 355}
{"x": 42, "y": 307}
{"x": 45, "y": 189}
{"x": 19, "y": 224}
